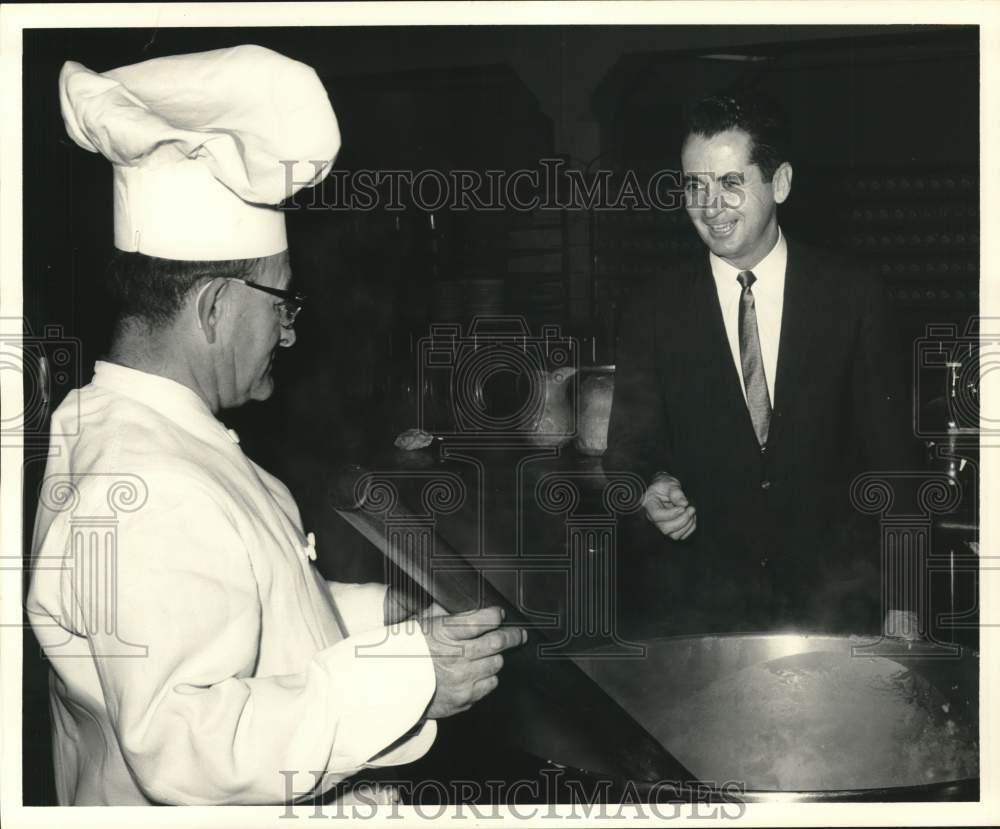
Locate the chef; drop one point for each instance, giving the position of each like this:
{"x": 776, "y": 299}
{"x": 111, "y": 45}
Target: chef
{"x": 197, "y": 655}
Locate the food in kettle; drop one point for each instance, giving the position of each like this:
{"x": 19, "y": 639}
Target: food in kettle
{"x": 821, "y": 721}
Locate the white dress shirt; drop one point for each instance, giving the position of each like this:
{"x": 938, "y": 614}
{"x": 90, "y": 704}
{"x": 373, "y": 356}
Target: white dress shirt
{"x": 769, "y": 296}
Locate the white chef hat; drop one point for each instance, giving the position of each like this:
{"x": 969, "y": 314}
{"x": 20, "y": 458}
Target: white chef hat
{"x": 202, "y": 147}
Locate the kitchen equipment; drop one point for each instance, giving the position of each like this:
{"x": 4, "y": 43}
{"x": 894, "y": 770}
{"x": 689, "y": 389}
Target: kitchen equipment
{"x": 792, "y": 716}
{"x": 559, "y": 710}
{"x": 596, "y": 391}
{"x": 807, "y": 717}
{"x": 556, "y": 421}
{"x": 949, "y": 422}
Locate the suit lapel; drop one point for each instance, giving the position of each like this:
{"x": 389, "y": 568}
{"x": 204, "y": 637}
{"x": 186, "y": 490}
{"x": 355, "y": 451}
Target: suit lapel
{"x": 797, "y": 330}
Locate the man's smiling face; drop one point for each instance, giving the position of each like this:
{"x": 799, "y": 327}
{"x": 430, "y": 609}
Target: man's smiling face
{"x": 733, "y": 209}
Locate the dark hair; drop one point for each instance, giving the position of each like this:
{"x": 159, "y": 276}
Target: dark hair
{"x": 756, "y": 115}
{"x": 153, "y": 290}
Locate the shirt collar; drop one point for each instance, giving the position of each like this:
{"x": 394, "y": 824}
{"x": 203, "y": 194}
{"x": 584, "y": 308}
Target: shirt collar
{"x": 770, "y": 270}
{"x": 168, "y": 397}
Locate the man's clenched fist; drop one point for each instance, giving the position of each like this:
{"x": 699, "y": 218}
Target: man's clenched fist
{"x": 667, "y": 507}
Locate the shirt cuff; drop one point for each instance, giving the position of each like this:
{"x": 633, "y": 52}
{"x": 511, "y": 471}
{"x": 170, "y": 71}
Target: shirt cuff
{"x": 410, "y": 749}
{"x": 381, "y": 683}
{"x": 361, "y": 606}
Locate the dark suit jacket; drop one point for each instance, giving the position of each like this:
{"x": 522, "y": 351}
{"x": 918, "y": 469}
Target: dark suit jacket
{"x": 838, "y": 405}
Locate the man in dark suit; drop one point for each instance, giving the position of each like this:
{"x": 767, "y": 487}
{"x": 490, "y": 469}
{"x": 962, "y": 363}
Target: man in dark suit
{"x": 754, "y": 382}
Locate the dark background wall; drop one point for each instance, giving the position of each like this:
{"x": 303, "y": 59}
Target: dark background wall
{"x": 886, "y": 126}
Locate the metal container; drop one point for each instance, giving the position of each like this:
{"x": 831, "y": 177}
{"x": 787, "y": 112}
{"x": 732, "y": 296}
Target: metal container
{"x": 661, "y": 691}
{"x": 554, "y": 424}
{"x": 596, "y": 392}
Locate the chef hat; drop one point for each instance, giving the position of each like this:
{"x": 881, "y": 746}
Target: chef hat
{"x": 202, "y": 147}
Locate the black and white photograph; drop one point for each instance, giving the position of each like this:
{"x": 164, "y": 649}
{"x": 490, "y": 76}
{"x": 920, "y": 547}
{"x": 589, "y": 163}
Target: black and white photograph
{"x": 519, "y": 413}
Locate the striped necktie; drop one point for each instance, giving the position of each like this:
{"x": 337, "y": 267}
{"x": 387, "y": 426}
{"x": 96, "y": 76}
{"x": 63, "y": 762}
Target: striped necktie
{"x": 758, "y": 398}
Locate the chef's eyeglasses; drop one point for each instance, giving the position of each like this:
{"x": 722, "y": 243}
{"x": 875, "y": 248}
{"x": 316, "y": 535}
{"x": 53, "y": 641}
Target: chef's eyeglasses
{"x": 288, "y": 308}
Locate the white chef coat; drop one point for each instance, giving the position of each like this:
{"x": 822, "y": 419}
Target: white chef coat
{"x": 216, "y": 658}
{"x": 769, "y": 299}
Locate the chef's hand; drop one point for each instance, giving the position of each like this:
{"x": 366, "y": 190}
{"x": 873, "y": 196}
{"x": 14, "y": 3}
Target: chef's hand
{"x": 667, "y": 507}
{"x": 466, "y": 650}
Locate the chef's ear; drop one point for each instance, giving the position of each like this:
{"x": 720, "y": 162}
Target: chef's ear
{"x": 208, "y": 306}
